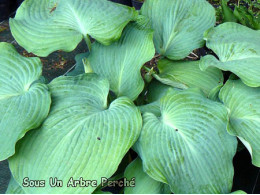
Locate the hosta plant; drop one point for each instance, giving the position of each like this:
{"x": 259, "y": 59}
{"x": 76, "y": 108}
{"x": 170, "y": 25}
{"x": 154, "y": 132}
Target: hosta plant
{"x": 183, "y": 118}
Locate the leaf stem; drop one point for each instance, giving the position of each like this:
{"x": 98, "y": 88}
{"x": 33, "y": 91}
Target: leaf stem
{"x": 157, "y": 56}
{"x": 87, "y": 40}
{"x": 87, "y": 66}
{"x": 147, "y": 69}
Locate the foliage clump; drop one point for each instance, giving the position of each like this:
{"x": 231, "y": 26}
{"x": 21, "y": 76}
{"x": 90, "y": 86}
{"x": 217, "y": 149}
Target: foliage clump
{"x": 183, "y": 118}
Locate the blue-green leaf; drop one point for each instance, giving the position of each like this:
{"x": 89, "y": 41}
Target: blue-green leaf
{"x": 14, "y": 187}
{"x": 239, "y": 192}
{"x": 79, "y": 66}
{"x": 187, "y": 74}
{"x": 243, "y": 103}
{"x": 188, "y": 146}
{"x": 44, "y": 26}
{"x": 82, "y": 136}
{"x": 24, "y": 101}
{"x": 144, "y": 184}
{"x": 238, "y": 50}
{"x": 179, "y": 25}
{"x": 121, "y": 62}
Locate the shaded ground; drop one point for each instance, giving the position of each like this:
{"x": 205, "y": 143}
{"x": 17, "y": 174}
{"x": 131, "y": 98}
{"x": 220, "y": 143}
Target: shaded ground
{"x": 4, "y": 176}
{"x": 247, "y": 176}
{"x": 56, "y": 64}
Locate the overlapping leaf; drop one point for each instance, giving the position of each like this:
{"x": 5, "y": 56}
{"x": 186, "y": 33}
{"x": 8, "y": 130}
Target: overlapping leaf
{"x": 24, "y": 102}
{"x": 14, "y": 188}
{"x": 188, "y": 146}
{"x": 79, "y": 66}
{"x": 244, "y": 105}
{"x": 156, "y": 90}
{"x": 44, "y": 26}
{"x": 81, "y": 137}
{"x": 238, "y": 50}
{"x": 121, "y": 62}
{"x": 179, "y": 25}
{"x": 143, "y": 183}
{"x": 187, "y": 74}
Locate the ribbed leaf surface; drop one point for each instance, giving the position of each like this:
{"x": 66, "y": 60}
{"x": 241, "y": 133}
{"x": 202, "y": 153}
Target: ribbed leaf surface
{"x": 178, "y": 25}
{"x": 244, "y": 105}
{"x": 144, "y": 184}
{"x": 187, "y": 74}
{"x": 14, "y": 188}
{"x": 82, "y": 137}
{"x": 121, "y": 62}
{"x": 238, "y": 50}
{"x": 44, "y": 26}
{"x": 188, "y": 146}
{"x": 24, "y": 103}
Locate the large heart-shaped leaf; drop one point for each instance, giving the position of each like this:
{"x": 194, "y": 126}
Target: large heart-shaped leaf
{"x": 82, "y": 136}
{"x": 244, "y": 117}
{"x": 121, "y": 62}
{"x": 179, "y": 25}
{"x": 143, "y": 183}
{"x": 187, "y": 74}
{"x": 238, "y": 50}
{"x": 44, "y": 26}
{"x": 188, "y": 146}
{"x": 24, "y": 101}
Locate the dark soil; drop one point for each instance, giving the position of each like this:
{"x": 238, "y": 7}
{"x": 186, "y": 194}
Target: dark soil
{"x": 56, "y": 64}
